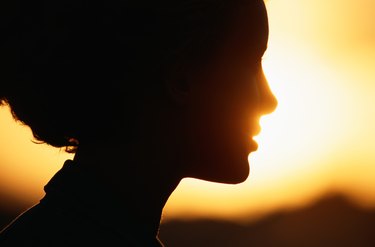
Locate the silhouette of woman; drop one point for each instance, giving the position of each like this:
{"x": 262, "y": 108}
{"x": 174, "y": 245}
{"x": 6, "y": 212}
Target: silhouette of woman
{"x": 144, "y": 93}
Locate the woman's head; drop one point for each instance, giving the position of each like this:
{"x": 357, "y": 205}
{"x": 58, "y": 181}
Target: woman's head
{"x": 81, "y": 71}
{"x": 227, "y": 98}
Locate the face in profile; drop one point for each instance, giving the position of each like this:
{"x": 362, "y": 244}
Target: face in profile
{"x": 228, "y": 97}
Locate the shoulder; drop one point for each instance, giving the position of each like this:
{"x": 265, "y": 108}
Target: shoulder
{"x": 37, "y": 226}
{"x": 46, "y": 225}
{"x": 27, "y": 227}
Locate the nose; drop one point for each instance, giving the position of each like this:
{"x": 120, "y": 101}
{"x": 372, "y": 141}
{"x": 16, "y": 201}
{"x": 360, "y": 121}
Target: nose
{"x": 268, "y": 101}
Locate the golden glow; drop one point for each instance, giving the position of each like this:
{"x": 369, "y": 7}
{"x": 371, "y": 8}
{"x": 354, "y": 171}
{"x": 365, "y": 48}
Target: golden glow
{"x": 320, "y": 65}
{"x": 25, "y": 166}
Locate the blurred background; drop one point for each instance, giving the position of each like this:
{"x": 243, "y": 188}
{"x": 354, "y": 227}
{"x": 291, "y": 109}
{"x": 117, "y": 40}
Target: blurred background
{"x": 312, "y": 181}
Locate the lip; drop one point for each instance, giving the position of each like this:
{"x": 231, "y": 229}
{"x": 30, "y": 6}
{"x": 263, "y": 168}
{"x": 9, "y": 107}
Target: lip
{"x": 257, "y": 130}
{"x": 253, "y": 145}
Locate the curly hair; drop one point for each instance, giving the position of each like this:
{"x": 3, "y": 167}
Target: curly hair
{"x": 70, "y": 69}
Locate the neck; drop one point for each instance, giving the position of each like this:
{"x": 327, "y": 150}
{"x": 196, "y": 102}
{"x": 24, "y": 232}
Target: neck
{"x": 138, "y": 183}
{"x": 140, "y": 173}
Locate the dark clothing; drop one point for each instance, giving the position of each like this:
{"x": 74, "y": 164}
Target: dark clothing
{"x": 76, "y": 211}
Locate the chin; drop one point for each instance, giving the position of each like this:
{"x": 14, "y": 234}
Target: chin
{"x": 227, "y": 173}
{"x": 235, "y": 177}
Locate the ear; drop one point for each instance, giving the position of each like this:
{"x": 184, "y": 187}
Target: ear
{"x": 178, "y": 87}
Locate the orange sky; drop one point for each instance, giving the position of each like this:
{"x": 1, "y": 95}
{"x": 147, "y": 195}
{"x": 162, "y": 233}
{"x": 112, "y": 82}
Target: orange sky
{"x": 320, "y": 65}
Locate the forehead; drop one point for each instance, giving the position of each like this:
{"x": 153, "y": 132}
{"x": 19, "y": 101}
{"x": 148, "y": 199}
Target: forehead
{"x": 249, "y": 30}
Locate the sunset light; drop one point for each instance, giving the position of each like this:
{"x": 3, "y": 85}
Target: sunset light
{"x": 320, "y": 65}
{"x": 321, "y": 137}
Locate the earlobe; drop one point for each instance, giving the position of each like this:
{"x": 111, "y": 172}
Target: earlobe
{"x": 178, "y": 89}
